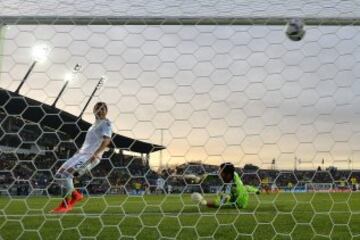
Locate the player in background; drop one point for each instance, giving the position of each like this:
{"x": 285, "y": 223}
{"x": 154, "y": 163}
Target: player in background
{"x": 137, "y": 187}
{"x": 96, "y": 141}
{"x": 274, "y": 188}
{"x": 160, "y": 185}
{"x": 290, "y": 186}
{"x": 265, "y": 185}
{"x": 343, "y": 185}
{"x": 234, "y": 192}
{"x": 169, "y": 189}
{"x": 353, "y": 183}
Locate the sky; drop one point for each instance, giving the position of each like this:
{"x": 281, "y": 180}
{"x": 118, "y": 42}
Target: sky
{"x": 244, "y": 94}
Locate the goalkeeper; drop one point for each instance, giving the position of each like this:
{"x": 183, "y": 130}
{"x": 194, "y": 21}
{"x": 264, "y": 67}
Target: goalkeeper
{"x": 234, "y": 192}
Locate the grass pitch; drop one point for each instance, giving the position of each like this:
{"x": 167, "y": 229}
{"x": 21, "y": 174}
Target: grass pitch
{"x": 274, "y": 216}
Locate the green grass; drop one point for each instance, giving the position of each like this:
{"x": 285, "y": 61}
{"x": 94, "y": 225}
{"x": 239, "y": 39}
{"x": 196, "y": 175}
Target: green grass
{"x": 274, "y": 216}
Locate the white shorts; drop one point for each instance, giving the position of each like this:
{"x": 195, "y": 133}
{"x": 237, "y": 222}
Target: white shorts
{"x": 79, "y": 163}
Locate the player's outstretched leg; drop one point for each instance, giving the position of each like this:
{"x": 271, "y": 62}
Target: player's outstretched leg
{"x": 252, "y": 189}
{"x": 75, "y": 166}
{"x": 66, "y": 181}
{"x": 76, "y": 196}
{"x": 64, "y": 177}
{"x": 68, "y": 202}
{"x": 63, "y": 207}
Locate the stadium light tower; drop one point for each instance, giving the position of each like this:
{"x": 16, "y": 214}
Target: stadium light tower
{"x": 273, "y": 164}
{"x": 68, "y": 78}
{"x": 350, "y": 164}
{"x": 39, "y": 54}
{"x": 98, "y": 86}
{"x": 162, "y": 144}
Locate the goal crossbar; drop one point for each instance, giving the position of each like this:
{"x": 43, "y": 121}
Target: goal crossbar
{"x": 148, "y": 20}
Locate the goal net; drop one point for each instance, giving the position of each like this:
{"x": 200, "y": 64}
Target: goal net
{"x": 188, "y": 85}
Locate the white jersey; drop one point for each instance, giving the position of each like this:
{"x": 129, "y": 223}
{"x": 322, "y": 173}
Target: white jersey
{"x": 95, "y": 135}
{"x": 160, "y": 183}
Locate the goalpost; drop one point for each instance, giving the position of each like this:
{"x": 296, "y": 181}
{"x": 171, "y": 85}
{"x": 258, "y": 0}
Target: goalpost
{"x": 212, "y": 82}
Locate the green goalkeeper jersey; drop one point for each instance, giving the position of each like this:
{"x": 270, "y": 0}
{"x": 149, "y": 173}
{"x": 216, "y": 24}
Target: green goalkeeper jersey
{"x": 234, "y": 193}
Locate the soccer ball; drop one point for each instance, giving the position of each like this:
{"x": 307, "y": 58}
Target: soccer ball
{"x": 295, "y": 29}
{"x": 198, "y": 198}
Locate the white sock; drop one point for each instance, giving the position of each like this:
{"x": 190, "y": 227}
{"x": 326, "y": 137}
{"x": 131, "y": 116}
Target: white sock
{"x": 66, "y": 181}
{"x": 69, "y": 185}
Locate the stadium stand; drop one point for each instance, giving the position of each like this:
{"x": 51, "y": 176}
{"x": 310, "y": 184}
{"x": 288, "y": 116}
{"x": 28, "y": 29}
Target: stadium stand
{"x": 37, "y": 138}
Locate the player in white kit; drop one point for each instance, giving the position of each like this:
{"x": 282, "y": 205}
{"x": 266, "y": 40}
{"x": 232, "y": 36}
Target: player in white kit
{"x": 96, "y": 140}
{"x": 160, "y": 185}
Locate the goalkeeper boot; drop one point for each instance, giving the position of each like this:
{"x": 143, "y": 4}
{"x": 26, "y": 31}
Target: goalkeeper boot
{"x": 76, "y": 196}
{"x": 63, "y": 207}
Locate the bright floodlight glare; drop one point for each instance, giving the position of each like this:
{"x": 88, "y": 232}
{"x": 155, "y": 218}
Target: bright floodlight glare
{"x": 101, "y": 82}
{"x": 104, "y": 79}
{"x": 40, "y": 52}
{"x": 69, "y": 77}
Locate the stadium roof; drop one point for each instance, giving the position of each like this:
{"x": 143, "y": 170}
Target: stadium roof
{"x": 59, "y": 120}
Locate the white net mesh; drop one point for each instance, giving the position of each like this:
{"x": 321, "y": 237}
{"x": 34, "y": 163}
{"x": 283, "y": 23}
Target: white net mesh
{"x": 284, "y": 113}
{"x": 172, "y": 8}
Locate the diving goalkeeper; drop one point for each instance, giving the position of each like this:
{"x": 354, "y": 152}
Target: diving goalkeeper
{"x": 233, "y": 193}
